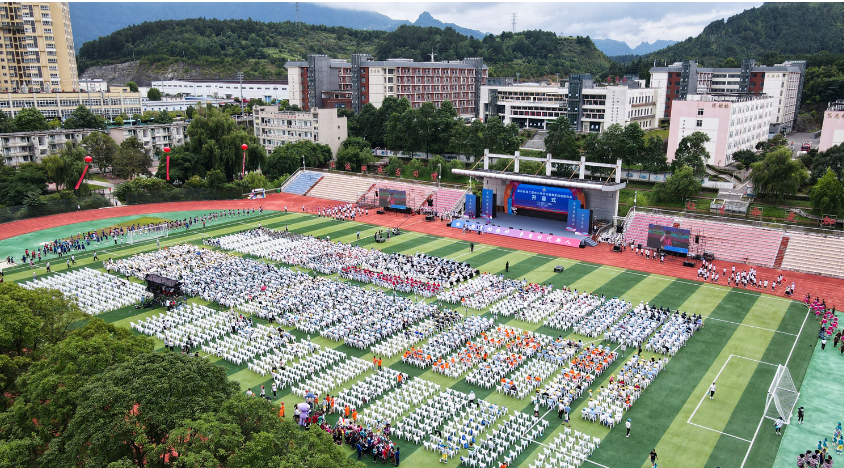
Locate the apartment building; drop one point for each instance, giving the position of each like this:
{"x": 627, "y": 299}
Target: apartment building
{"x": 733, "y": 122}
{"x": 322, "y": 82}
{"x": 276, "y": 128}
{"x": 783, "y": 82}
{"x": 23, "y": 147}
{"x": 154, "y": 136}
{"x": 37, "y": 48}
{"x": 832, "y": 132}
{"x": 93, "y": 84}
{"x": 228, "y": 89}
{"x": 590, "y": 106}
{"x": 106, "y": 104}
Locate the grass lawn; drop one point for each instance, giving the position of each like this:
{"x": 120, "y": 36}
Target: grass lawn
{"x": 745, "y": 333}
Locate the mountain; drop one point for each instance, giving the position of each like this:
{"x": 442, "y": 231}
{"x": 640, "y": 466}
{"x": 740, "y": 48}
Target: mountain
{"x": 612, "y": 47}
{"x": 771, "y": 30}
{"x": 213, "y": 48}
{"x": 87, "y": 17}
{"x": 426, "y": 20}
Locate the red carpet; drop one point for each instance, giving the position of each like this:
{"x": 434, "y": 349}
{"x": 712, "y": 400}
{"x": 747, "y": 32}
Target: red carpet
{"x": 832, "y": 289}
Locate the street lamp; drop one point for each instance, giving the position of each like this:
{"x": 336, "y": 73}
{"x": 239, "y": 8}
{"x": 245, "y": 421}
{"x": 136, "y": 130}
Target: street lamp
{"x": 244, "y": 147}
{"x": 439, "y": 174}
{"x": 303, "y": 162}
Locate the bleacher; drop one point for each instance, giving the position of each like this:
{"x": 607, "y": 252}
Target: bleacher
{"x": 416, "y": 194}
{"x": 815, "y": 254}
{"x": 445, "y": 199}
{"x": 340, "y": 187}
{"x": 728, "y": 242}
{"x": 303, "y": 181}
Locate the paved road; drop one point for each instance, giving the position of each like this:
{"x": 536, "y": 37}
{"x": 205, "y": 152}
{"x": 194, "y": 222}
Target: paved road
{"x": 799, "y": 138}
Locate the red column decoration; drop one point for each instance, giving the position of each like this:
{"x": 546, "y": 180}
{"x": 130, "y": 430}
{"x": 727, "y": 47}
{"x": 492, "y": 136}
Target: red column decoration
{"x": 88, "y": 160}
{"x": 244, "y": 147}
{"x": 167, "y": 152}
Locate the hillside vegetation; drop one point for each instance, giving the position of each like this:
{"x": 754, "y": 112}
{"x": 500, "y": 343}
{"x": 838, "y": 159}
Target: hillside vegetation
{"x": 260, "y": 49}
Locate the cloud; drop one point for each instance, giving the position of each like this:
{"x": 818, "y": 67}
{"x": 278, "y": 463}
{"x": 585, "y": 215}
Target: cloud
{"x": 631, "y": 22}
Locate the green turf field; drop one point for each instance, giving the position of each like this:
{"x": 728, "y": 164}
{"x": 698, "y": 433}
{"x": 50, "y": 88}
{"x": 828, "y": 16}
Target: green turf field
{"x": 745, "y": 335}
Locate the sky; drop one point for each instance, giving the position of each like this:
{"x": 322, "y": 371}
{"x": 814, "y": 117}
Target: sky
{"x": 630, "y": 22}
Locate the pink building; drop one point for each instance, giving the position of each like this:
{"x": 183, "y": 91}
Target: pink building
{"x": 732, "y": 122}
{"x": 833, "y": 126}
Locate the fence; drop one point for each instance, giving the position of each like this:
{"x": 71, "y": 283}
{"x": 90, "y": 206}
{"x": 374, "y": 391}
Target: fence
{"x": 183, "y": 194}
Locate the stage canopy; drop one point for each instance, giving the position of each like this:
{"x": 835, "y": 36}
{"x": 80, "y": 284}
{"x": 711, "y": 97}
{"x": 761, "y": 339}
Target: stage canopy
{"x": 602, "y": 186}
{"x": 170, "y": 283}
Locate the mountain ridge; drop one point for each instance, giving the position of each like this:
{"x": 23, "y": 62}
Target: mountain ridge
{"x": 611, "y": 47}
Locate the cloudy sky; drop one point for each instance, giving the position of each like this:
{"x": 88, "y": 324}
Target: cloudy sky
{"x": 631, "y": 22}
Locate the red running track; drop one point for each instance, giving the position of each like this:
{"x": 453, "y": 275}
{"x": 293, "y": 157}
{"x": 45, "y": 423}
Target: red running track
{"x": 831, "y": 289}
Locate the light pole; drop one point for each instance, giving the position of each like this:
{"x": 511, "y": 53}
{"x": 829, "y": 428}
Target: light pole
{"x": 303, "y": 162}
{"x": 244, "y": 147}
{"x": 439, "y": 174}
{"x": 240, "y": 79}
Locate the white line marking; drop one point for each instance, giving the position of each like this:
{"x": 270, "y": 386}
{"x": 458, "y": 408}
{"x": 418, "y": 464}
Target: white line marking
{"x": 751, "y": 326}
{"x": 689, "y": 421}
{"x": 759, "y": 426}
{"x": 722, "y": 433}
{"x": 754, "y": 360}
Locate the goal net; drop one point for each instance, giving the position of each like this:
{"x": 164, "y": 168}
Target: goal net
{"x": 782, "y": 396}
{"x": 145, "y": 233}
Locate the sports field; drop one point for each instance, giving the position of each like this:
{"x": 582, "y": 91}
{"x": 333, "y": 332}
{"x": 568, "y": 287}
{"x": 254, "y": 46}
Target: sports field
{"x": 746, "y": 335}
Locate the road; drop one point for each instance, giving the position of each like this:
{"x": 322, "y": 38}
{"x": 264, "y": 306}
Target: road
{"x": 799, "y": 138}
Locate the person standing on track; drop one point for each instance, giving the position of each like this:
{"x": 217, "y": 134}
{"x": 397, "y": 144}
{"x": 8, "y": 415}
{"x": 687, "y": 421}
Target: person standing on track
{"x": 712, "y": 391}
{"x": 627, "y": 425}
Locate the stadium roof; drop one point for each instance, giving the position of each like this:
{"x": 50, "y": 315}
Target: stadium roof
{"x": 609, "y": 186}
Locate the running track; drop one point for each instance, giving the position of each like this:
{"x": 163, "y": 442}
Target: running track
{"x": 821, "y": 286}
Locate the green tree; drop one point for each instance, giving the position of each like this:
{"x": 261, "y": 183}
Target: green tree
{"x": 778, "y": 176}
{"x": 102, "y": 148}
{"x": 163, "y": 117}
{"x": 138, "y": 403}
{"x": 154, "y": 94}
{"x": 82, "y": 117}
{"x": 129, "y": 162}
{"x": 828, "y": 194}
{"x": 443, "y": 126}
{"x": 65, "y": 167}
{"x": 215, "y": 178}
{"x": 190, "y": 112}
{"x": 745, "y": 156}
{"x": 118, "y": 121}
{"x": 680, "y": 186}
{"x": 18, "y": 184}
{"x": 216, "y": 142}
{"x": 833, "y": 159}
{"x": 653, "y": 155}
{"x": 132, "y": 86}
{"x": 31, "y": 119}
{"x": 7, "y": 125}
{"x": 692, "y": 152}
{"x": 500, "y": 138}
{"x": 254, "y": 180}
{"x": 561, "y": 141}
{"x": 633, "y": 145}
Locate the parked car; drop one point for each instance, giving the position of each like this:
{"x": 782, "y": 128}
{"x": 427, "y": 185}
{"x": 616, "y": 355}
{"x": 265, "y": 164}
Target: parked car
{"x": 807, "y": 145}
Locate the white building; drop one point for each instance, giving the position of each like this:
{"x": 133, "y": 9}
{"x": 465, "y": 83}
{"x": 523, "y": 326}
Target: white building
{"x": 832, "y": 133}
{"x": 276, "y": 128}
{"x": 173, "y": 105}
{"x": 250, "y": 89}
{"x": 93, "y": 85}
{"x": 593, "y": 109}
{"x": 152, "y": 136}
{"x": 732, "y": 122}
{"x": 22, "y": 147}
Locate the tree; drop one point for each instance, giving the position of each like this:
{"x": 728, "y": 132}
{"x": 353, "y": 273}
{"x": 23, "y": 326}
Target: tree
{"x": 680, "y": 186}
{"x": 215, "y": 141}
{"x": 154, "y": 94}
{"x": 137, "y": 404}
{"x": 163, "y": 117}
{"x": 287, "y": 159}
{"x": 833, "y": 159}
{"x": 129, "y": 162}
{"x": 7, "y": 125}
{"x": 778, "y": 175}
{"x": 82, "y": 117}
{"x": 745, "y": 156}
{"x": 633, "y": 144}
{"x": 561, "y": 141}
{"x": 17, "y": 184}
{"x": 692, "y": 152}
{"x": 500, "y": 138}
{"x": 828, "y": 194}
{"x": 190, "y": 112}
{"x": 65, "y": 167}
{"x": 31, "y": 119}
{"x": 653, "y": 156}
{"x": 133, "y": 87}
{"x": 102, "y": 148}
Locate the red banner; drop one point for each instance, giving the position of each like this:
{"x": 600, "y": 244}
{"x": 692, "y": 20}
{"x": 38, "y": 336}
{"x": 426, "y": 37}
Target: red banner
{"x": 168, "y": 166}
{"x": 81, "y": 177}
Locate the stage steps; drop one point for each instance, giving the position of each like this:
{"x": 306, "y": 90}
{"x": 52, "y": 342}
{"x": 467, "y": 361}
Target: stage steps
{"x": 590, "y": 242}
{"x": 781, "y": 252}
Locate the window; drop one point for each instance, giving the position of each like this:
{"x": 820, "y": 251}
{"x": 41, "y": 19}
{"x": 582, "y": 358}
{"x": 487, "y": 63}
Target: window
{"x": 699, "y": 112}
{"x": 699, "y": 123}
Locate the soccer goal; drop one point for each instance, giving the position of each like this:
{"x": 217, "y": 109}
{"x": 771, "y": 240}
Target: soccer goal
{"x": 782, "y": 396}
{"x": 145, "y": 233}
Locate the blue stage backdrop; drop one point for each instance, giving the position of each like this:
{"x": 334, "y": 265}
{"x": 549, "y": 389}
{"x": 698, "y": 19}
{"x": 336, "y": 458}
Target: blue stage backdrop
{"x": 471, "y": 205}
{"x": 572, "y": 208}
{"x": 487, "y": 203}
{"x": 540, "y": 197}
{"x": 584, "y": 221}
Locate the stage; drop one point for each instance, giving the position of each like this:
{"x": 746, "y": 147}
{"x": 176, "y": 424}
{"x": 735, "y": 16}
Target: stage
{"x": 523, "y": 227}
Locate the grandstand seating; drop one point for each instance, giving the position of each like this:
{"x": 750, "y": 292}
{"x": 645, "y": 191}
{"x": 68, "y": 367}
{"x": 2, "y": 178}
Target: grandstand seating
{"x": 728, "y": 242}
{"x": 815, "y": 254}
{"x": 340, "y": 187}
{"x": 303, "y": 182}
{"x": 445, "y": 199}
{"x": 416, "y": 193}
